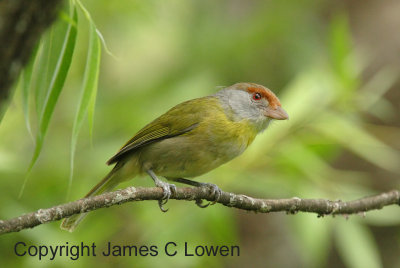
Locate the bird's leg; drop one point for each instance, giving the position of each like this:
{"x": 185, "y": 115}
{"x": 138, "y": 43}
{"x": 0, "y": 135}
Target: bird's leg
{"x": 212, "y": 187}
{"x": 167, "y": 188}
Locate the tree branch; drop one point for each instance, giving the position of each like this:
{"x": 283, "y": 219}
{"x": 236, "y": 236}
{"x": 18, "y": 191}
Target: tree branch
{"x": 320, "y": 206}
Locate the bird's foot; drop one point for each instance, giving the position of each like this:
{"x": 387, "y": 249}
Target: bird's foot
{"x": 215, "y": 191}
{"x": 168, "y": 189}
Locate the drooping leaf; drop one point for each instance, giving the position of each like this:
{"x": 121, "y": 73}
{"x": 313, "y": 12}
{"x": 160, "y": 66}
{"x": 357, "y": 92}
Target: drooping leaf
{"x": 89, "y": 89}
{"x": 91, "y": 108}
{"x": 42, "y": 71}
{"x": 100, "y": 36}
{"x": 26, "y": 78}
{"x": 55, "y": 87}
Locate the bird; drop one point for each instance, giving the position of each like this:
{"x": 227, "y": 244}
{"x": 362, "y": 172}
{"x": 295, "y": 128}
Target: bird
{"x": 191, "y": 139}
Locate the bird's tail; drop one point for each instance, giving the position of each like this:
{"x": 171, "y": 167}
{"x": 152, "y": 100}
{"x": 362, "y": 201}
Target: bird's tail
{"x": 105, "y": 185}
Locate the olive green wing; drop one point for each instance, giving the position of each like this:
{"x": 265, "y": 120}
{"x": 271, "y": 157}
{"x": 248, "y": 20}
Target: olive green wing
{"x": 179, "y": 120}
{"x": 147, "y": 135}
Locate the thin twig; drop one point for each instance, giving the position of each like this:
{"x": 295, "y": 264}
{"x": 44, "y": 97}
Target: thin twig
{"x": 292, "y": 205}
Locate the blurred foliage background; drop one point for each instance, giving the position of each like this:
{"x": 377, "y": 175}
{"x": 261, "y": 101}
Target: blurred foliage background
{"x": 334, "y": 65}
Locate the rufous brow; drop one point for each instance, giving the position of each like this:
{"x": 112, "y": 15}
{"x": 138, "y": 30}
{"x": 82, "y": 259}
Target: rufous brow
{"x": 266, "y": 94}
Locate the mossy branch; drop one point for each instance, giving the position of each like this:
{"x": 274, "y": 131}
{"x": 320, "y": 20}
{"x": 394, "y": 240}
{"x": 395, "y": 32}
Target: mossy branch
{"x": 130, "y": 194}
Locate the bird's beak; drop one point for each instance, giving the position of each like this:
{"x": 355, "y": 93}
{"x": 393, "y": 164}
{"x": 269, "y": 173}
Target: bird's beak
{"x": 276, "y": 113}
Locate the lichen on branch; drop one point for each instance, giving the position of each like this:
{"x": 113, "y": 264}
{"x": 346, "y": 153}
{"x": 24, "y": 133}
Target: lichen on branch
{"x": 131, "y": 194}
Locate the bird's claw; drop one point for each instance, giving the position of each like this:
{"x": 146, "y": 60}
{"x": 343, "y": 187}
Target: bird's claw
{"x": 215, "y": 191}
{"x": 199, "y": 203}
{"x": 168, "y": 189}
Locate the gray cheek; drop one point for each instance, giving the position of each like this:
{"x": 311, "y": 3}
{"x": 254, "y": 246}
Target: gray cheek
{"x": 243, "y": 106}
{"x": 255, "y": 108}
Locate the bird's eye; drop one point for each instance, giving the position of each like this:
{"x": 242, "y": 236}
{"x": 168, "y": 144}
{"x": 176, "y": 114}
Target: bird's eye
{"x": 257, "y": 96}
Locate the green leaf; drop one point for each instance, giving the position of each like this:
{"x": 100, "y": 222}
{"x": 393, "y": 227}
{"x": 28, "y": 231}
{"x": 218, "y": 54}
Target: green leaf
{"x": 89, "y": 18}
{"x": 93, "y": 30}
{"x": 55, "y": 87}
{"x": 26, "y": 78}
{"x": 91, "y": 108}
{"x": 356, "y": 245}
{"x": 43, "y": 68}
{"x": 89, "y": 90}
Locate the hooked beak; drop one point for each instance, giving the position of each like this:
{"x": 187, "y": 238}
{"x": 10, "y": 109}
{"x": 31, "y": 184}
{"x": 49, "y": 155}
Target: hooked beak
{"x": 276, "y": 113}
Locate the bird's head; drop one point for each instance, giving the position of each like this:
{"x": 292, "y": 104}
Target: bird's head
{"x": 252, "y": 102}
